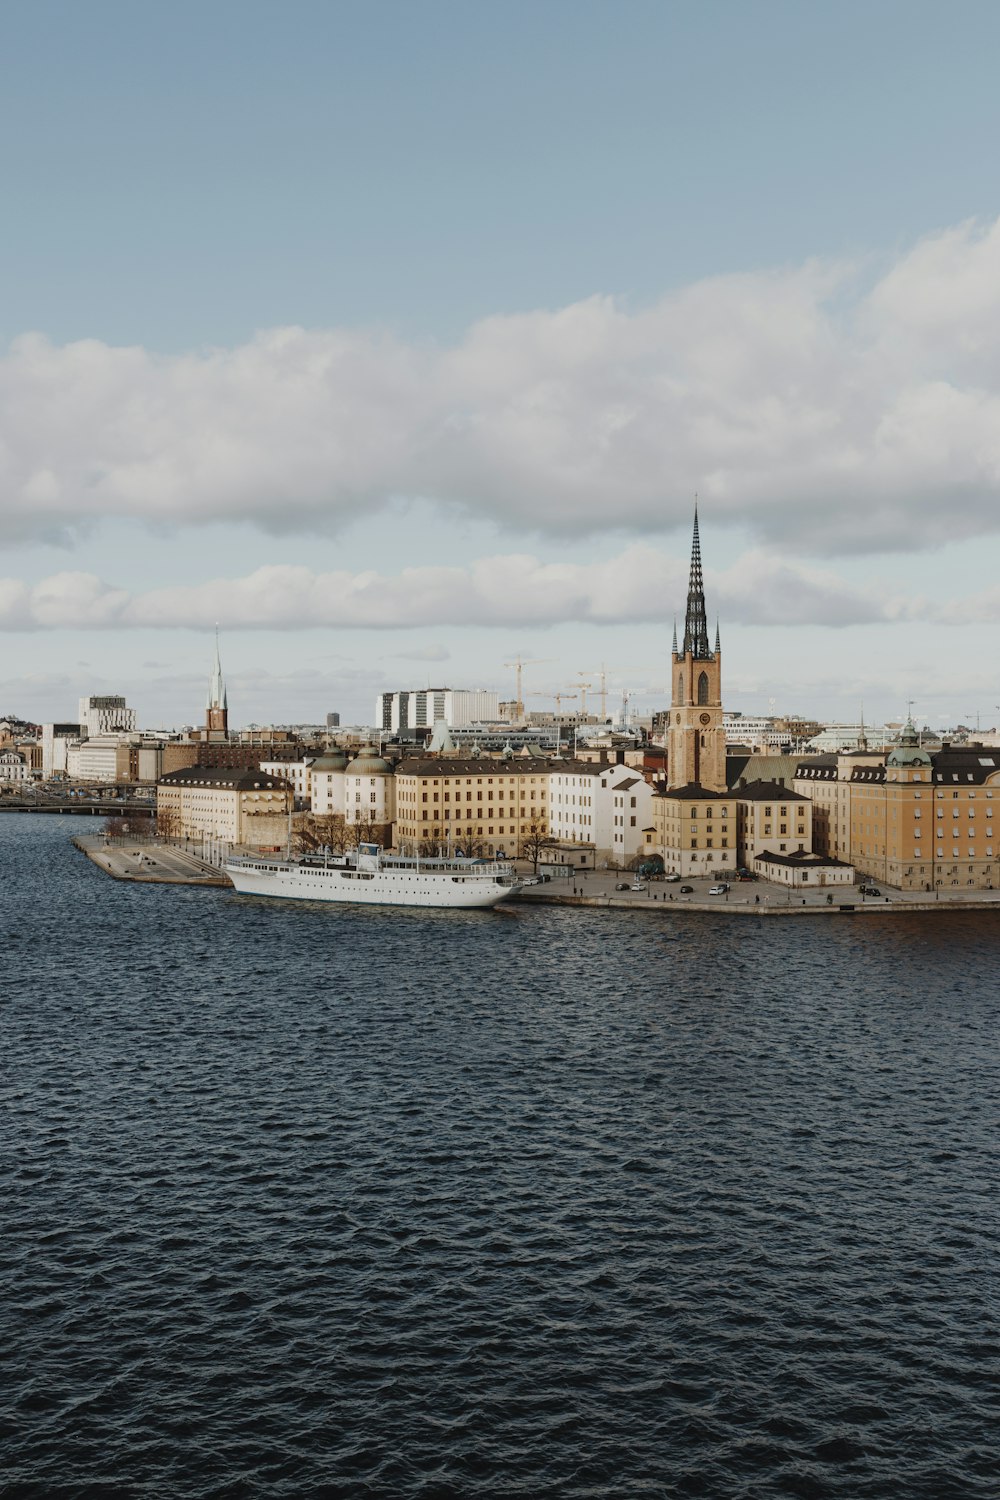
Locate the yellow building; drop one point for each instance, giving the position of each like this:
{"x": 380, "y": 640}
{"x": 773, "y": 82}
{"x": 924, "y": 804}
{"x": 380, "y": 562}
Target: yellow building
{"x": 771, "y": 819}
{"x": 695, "y": 831}
{"x": 223, "y": 804}
{"x": 493, "y": 806}
{"x": 914, "y": 819}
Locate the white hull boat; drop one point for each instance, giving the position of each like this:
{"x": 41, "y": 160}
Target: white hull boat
{"x": 373, "y": 878}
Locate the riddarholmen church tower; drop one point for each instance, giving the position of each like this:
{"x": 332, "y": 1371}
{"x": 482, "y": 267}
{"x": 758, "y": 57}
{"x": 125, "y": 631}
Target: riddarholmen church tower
{"x": 696, "y": 743}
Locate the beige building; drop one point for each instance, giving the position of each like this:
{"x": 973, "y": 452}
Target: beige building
{"x": 913, "y": 818}
{"x": 492, "y": 806}
{"x": 225, "y": 805}
{"x": 695, "y": 831}
{"x": 771, "y": 819}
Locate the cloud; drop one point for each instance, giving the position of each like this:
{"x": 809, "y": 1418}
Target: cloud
{"x": 638, "y": 585}
{"x": 825, "y": 409}
{"x": 424, "y": 653}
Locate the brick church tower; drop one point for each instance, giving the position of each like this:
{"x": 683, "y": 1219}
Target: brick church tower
{"x": 217, "y": 707}
{"x": 696, "y": 742}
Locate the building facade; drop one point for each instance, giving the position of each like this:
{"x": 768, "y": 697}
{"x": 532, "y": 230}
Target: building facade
{"x": 105, "y": 715}
{"x": 491, "y": 806}
{"x": 914, "y": 818}
{"x": 421, "y": 708}
{"x": 226, "y": 806}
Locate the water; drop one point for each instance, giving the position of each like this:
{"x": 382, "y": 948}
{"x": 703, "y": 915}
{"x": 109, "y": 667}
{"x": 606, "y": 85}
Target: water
{"x": 317, "y": 1201}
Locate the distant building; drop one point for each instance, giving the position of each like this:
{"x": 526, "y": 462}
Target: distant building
{"x": 56, "y": 740}
{"x": 333, "y": 721}
{"x": 13, "y": 767}
{"x": 105, "y": 715}
{"x": 419, "y": 708}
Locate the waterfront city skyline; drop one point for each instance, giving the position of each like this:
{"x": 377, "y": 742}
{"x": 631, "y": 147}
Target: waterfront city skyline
{"x": 419, "y": 368}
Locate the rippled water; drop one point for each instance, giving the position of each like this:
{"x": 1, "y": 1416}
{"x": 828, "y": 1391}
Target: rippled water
{"x": 319, "y": 1201}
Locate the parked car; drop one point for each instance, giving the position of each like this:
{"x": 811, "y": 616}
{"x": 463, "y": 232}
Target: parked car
{"x": 869, "y": 890}
{"x": 687, "y": 890}
{"x": 622, "y": 885}
{"x": 637, "y": 885}
{"x": 672, "y": 878}
{"x": 718, "y": 890}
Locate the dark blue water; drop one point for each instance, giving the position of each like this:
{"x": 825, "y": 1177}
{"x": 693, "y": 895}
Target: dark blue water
{"x": 318, "y": 1201}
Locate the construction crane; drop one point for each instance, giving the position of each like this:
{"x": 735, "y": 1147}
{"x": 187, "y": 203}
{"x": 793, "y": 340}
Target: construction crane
{"x": 602, "y": 677}
{"x": 584, "y": 689}
{"x": 559, "y": 697}
{"x": 518, "y": 664}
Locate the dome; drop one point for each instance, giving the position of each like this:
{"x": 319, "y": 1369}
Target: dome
{"x": 908, "y": 752}
{"x": 368, "y": 762}
{"x": 334, "y": 760}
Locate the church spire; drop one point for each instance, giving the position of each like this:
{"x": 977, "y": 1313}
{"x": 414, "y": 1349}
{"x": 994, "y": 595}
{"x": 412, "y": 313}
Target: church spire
{"x": 217, "y": 686}
{"x": 675, "y": 636}
{"x": 718, "y": 638}
{"x": 217, "y": 706}
{"x": 695, "y": 620}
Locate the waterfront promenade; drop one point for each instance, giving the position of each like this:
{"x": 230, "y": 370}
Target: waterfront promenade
{"x": 156, "y": 864}
{"x": 170, "y": 864}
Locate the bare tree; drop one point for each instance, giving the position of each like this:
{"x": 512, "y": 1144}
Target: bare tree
{"x": 535, "y": 842}
{"x": 168, "y": 822}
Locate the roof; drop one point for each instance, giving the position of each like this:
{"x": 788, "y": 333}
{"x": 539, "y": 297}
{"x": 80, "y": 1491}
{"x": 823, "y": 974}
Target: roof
{"x": 693, "y": 792}
{"x": 232, "y": 777}
{"x": 742, "y": 771}
{"x": 477, "y": 766}
{"x": 766, "y": 791}
{"x": 333, "y": 760}
{"x": 801, "y": 857}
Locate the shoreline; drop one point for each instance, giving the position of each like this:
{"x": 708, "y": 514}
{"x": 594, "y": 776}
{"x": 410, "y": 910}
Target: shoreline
{"x": 159, "y": 864}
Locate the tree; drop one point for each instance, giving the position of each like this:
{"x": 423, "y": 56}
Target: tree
{"x": 534, "y": 842}
{"x": 168, "y": 822}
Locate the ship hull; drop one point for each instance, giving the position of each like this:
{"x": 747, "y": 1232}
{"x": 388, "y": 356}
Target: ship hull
{"x": 382, "y": 887}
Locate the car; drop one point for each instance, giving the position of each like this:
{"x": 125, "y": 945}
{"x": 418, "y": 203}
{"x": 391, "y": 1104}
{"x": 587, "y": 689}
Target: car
{"x": 637, "y": 885}
{"x": 672, "y": 878}
{"x": 718, "y": 890}
{"x": 687, "y": 890}
{"x": 869, "y": 890}
{"x": 622, "y": 885}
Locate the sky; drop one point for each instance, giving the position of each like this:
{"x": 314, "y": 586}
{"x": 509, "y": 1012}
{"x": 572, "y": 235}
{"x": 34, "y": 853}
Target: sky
{"x": 398, "y": 338}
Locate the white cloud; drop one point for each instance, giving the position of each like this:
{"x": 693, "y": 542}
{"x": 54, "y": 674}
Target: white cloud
{"x": 822, "y": 412}
{"x": 639, "y": 584}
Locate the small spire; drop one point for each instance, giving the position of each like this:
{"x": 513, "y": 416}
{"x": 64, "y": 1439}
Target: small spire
{"x": 675, "y": 635}
{"x": 718, "y": 640}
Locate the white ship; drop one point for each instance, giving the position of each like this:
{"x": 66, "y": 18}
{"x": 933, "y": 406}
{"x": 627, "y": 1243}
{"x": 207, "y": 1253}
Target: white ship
{"x": 374, "y": 878}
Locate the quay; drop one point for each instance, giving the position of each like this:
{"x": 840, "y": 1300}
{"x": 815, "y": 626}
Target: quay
{"x": 170, "y": 864}
{"x": 154, "y": 864}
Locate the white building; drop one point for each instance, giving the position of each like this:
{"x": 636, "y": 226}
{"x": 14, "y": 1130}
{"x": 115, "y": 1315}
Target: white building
{"x": 105, "y": 715}
{"x": 419, "y": 708}
{"x": 369, "y": 788}
{"x": 94, "y": 759}
{"x": 742, "y": 729}
{"x": 607, "y": 806}
{"x": 13, "y": 767}
{"x": 56, "y": 740}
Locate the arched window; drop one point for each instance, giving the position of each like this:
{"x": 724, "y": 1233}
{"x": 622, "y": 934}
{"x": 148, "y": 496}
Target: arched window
{"x": 703, "y": 688}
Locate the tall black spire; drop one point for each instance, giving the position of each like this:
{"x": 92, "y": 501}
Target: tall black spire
{"x": 695, "y": 621}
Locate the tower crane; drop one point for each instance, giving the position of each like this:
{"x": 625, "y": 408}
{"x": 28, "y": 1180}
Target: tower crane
{"x": 518, "y": 664}
{"x": 584, "y": 688}
{"x": 602, "y": 678}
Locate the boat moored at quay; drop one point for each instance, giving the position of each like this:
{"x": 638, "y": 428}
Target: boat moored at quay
{"x": 371, "y": 877}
